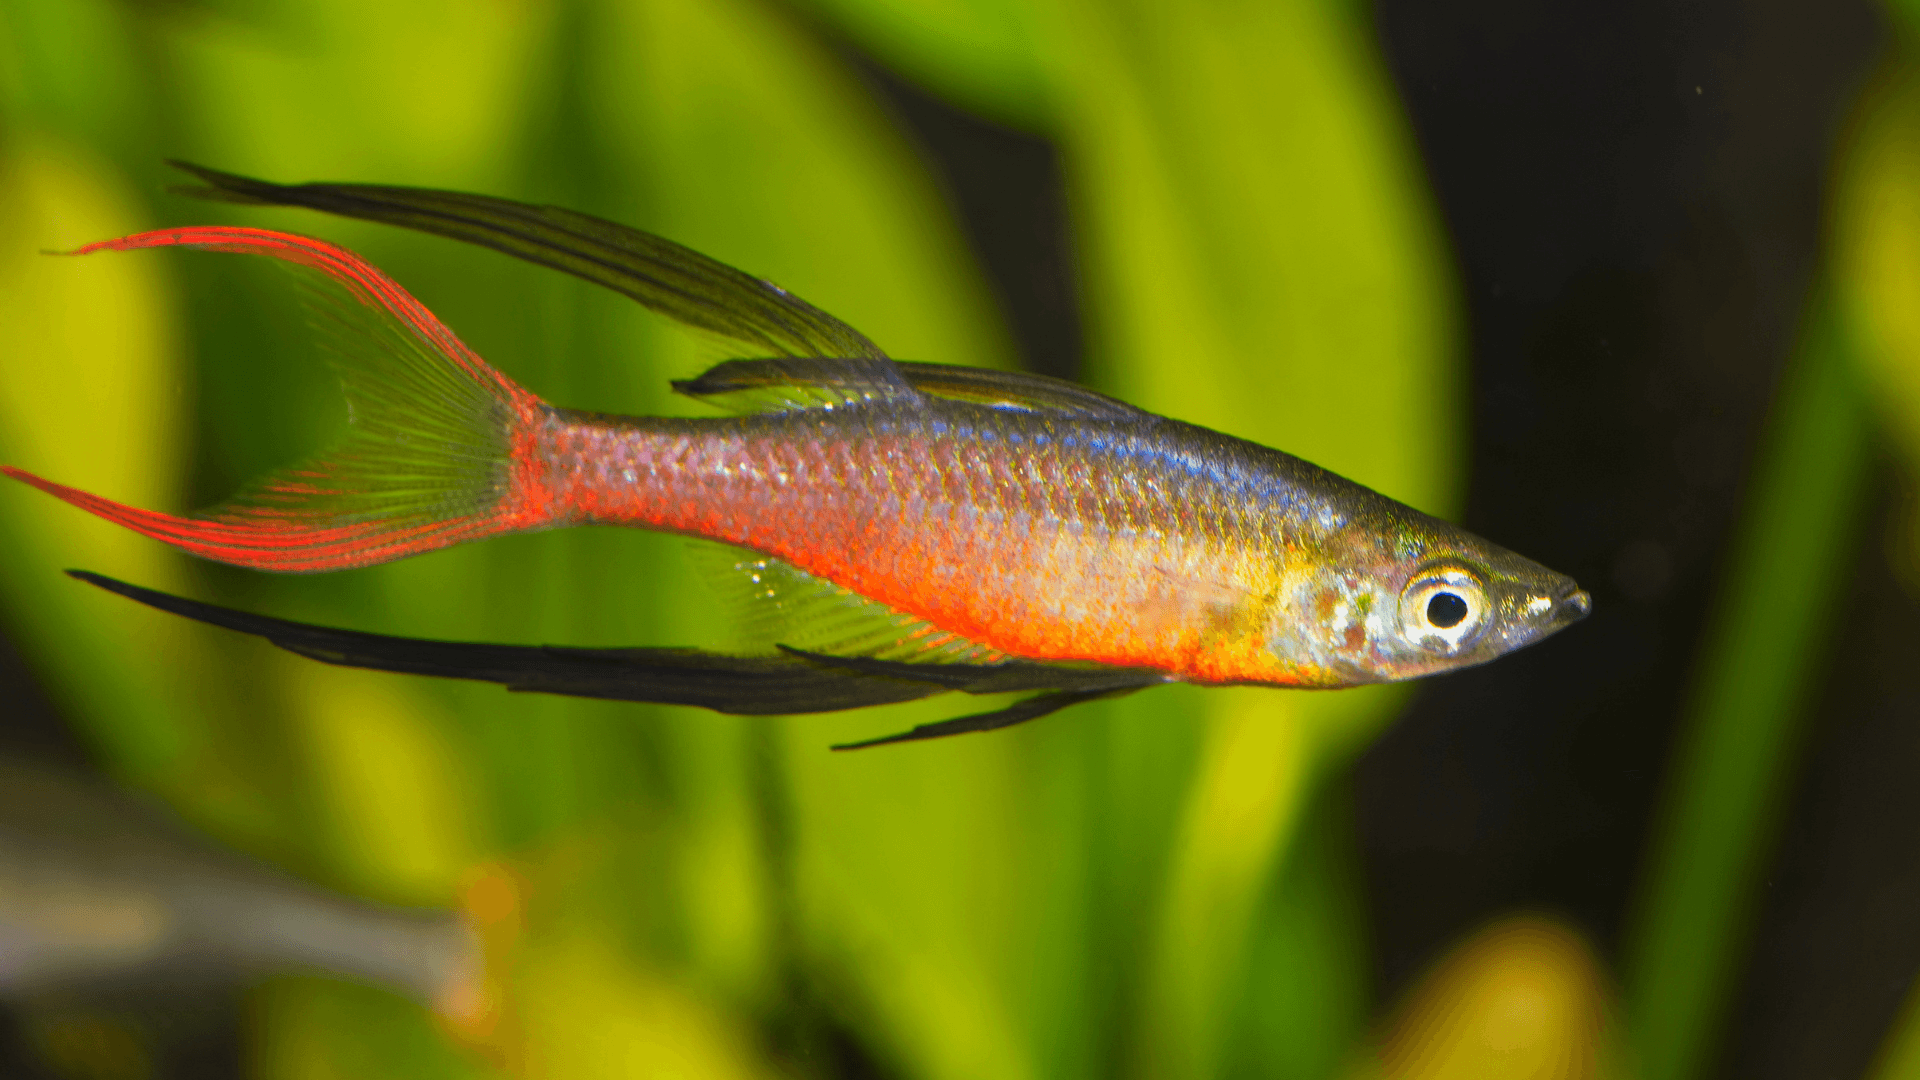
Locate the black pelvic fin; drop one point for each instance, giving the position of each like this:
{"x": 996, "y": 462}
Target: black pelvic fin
{"x": 1018, "y": 713}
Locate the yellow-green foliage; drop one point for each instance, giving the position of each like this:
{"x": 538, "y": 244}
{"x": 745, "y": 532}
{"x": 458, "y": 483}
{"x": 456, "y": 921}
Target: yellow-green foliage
{"x": 1152, "y": 888}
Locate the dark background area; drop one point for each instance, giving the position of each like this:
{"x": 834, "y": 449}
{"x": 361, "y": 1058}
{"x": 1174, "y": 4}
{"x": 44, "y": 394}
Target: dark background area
{"x": 1634, "y": 196}
{"x": 1634, "y": 193}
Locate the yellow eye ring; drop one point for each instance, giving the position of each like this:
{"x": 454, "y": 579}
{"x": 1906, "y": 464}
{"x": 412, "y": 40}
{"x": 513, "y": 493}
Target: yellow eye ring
{"x": 1444, "y": 609}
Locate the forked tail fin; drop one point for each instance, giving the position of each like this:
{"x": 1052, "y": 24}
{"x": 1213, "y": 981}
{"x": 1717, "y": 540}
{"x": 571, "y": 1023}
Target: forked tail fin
{"x": 440, "y": 447}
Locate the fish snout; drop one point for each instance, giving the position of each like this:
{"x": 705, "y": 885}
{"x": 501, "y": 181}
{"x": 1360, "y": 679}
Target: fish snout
{"x": 1573, "y": 607}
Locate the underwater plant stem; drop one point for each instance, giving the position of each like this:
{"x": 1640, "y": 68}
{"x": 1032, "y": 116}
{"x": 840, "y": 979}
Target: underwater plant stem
{"x": 1732, "y": 765}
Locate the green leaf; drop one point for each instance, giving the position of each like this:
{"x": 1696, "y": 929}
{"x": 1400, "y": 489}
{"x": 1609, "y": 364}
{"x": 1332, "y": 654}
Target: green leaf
{"x": 1732, "y": 766}
{"x": 989, "y": 56}
{"x": 1261, "y": 260}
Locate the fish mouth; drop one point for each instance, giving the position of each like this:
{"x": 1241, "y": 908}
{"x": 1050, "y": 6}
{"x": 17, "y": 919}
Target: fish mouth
{"x": 1574, "y": 605}
{"x": 1549, "y": 614}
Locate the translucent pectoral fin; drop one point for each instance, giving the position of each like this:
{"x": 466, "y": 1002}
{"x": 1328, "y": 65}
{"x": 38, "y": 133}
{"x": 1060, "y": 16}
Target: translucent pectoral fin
{"x": 772, "y": 603}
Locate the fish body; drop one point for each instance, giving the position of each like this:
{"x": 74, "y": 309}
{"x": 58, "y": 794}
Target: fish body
{"x": 98, "y": 892}
{"x": 1139, "y": 542}
{"x": 992, "y": 518}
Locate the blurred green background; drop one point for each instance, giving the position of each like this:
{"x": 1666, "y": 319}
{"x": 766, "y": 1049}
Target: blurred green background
{"x": 1218, "y": 210}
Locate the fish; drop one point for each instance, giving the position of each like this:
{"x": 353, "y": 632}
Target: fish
{"x": 100, "y": 894}
{"x": 913, "y": 528}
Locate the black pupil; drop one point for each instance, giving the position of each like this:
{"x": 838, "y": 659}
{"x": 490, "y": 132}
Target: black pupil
{"x": 1446, "y": 610}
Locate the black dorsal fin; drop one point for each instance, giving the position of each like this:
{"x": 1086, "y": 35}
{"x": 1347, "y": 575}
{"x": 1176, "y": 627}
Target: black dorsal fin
{"x": 744, "y": 387}
{"x": 671, "y": 279}
{"x": 773, "y": 385}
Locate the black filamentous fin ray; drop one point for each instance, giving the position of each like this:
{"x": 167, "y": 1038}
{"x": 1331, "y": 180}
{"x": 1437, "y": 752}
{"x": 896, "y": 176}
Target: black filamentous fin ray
{"x": 665, "y": 276}
{"x": 675, "y": 281}
{"x": 789, "y": 683}
{"x": 753, "y": 685}
{"x": 779, "y": 384}
{"x": 1002, "y": 677}
{"x": 1018, "y": 713}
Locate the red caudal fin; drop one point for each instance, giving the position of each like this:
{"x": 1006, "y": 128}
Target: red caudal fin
{"x": 439, "y": 447}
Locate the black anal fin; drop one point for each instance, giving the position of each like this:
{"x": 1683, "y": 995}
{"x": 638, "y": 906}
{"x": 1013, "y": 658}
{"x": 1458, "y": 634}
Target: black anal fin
{"x": 739, "y": 685}
{"x": 789, "y": 682}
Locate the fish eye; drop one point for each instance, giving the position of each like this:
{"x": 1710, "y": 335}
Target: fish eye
{"x": 1444, "y": 609}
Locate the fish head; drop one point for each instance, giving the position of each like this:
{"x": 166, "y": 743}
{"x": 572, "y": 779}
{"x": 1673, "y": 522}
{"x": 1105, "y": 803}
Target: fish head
{"x": 1419, "y": 598}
